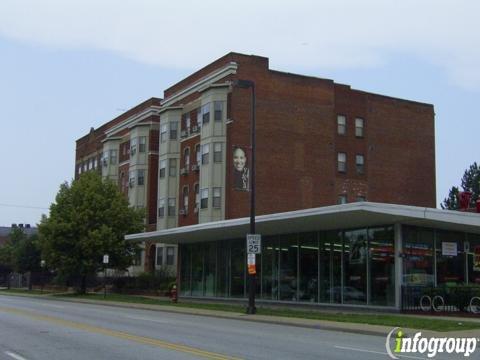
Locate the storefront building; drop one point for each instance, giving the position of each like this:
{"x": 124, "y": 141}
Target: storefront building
{"x": 357, "y": 254}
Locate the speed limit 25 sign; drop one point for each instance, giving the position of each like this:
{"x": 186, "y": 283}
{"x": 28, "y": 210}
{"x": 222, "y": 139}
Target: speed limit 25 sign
{"x": 254, "y": 244}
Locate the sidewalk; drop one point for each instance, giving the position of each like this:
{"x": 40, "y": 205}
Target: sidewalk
{"x": 356, "y": 328}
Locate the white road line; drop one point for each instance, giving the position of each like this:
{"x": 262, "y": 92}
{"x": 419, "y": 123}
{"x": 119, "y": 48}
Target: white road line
{"x": 15, "y": 356}
{"x": 376, "y": 352}
{"x": 52, "y": 305}
{"x": 147, "y": 319}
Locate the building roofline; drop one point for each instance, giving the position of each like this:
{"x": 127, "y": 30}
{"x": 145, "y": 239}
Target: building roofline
{"x": 324, "y": 218}
{"x": 122, "y": 117}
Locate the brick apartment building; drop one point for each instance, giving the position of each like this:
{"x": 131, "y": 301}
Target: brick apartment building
{"x": 319, "y": 143}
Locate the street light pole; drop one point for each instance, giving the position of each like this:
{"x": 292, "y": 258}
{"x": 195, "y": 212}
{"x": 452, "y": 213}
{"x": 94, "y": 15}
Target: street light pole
{"x": 245, "y": 84}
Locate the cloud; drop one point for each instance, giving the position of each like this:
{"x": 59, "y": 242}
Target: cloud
{"x": 308, "y": 34}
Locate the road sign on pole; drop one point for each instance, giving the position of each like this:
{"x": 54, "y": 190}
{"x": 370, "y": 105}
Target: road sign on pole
{"x": 251, "y": 264}
{"x": 254, "y": 244}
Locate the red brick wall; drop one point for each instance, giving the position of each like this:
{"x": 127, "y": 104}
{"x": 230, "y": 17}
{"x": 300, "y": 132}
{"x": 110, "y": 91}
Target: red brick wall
{"x": 152, "y": 191}
{"x": 401, "y": 152}
{"x": 123, "y": 181}
{"x": 188, "y": 180}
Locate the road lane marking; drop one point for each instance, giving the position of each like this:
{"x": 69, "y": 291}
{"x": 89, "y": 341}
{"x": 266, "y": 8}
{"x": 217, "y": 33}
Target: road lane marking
{"x": 147, "y": 319}
{"x": 52, "y": 305}
{"x": 119, "y": 334}
{"x": 375, "y": 352}
{"x": 15, "y": 356}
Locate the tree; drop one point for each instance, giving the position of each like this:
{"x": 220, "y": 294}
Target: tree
{"x": 26, "y": 255}
{"x": 8, "y": 250}
{"x": 470, "y": 182}
{"x": 89, "y": 218}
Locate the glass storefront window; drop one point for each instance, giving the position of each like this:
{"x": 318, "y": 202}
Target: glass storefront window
{"x": 288, "y": 267}
{"x": 237, "y": 264}
{"x": 223, "y": 266}
{"x": 210, "y": 268}
{"x": 355, "y": 267}
{"x": 418, "y": 256}
{"x": 269, "y": 268}
{"x": 326, "y": 242}
{"x": 308, "y": 266}
{"x": 473, "y": 259}
{"x": 450, "y": 258}
{"x": 197, "y": 270}
{"x": 185, "y": 273}
{"x": 381, "y": 266}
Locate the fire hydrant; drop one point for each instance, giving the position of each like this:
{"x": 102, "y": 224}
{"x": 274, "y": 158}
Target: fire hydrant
{"x": 173, "y": 294}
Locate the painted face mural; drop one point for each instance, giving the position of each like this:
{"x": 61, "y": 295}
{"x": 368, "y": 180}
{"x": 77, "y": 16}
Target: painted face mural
{"x": 240, "y": 173}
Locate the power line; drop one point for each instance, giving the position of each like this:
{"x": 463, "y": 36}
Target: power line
{"x": 23, "y": 206}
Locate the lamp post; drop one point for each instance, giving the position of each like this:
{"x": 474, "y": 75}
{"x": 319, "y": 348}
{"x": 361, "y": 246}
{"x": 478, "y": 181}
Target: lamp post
{"x": 246, "y": 84}
{"x": 105, "y": 263}
{"x": 42, "y": 266}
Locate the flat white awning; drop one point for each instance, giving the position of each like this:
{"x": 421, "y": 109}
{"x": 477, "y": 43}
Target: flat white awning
{"x": 360, "y": 214}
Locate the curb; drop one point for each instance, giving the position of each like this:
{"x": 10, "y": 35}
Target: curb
{"x": 356, "y": 328}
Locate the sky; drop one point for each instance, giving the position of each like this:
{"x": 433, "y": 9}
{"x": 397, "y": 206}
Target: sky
{"x": 66, "y": 66}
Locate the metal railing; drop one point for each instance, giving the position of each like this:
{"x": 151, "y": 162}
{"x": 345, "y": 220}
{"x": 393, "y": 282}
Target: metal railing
{"x": 441, "y": 300}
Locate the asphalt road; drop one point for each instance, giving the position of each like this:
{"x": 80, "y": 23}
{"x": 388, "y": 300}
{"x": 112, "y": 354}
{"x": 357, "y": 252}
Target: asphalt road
{"x": 44, "y": 329}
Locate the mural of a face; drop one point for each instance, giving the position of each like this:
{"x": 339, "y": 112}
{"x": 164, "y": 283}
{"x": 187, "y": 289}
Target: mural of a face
{"x": 239, "y": 159}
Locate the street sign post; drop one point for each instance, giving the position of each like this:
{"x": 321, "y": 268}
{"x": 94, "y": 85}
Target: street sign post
{"x": 254, "y": 244}
{"x": 105, "y": 262}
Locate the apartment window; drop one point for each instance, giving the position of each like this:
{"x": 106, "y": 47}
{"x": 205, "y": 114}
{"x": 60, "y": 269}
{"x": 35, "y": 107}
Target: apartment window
{"x": 217, "y": 152}
{"x": 133, "y": 146}
{"x": 173, "y": 130}
{"x": 163, "y": 167}
{"x": 131, "y": 178}
{"x": 341, "y": 125}
{"x": 161, "y": 208}
{"x": 84, "y": 167}
{"x": 205, "y": 113}
{"x": 163, "y": 133}
{"x": 105, "y": 159}
{"x": 186, "y": 157}
{"x": 124, "y": 149}
{"x": 172, "y": 167}
{"x": 142, "y": 144}
{"x": 217, "y": 197}
{"x": 361, "y": 198}
{"x": 113, "y": 157}
{"x": 160, "y": 256}
{"x": 198, "y": 154}
{"x": 141, "y": 177}
{"x": 137, "y": 258}
{"x": 90, "y": 164}
{"x": 197, "y": 195}
{"x": 187, "y": 122}
{"x": 171, "y": 207}
{"x": 204, "y": 198}
{"x": 170, "y": 255}
{"x": 199, "y": 116}
{"x": 360, "y": 164}
{"x": 359, "y": 125}
{"x": 218, "y": 108}
{"x": 342, "y": 199}
{"x": 185, "y": 197}
{"x": 205, "y": 153}
{"x": 95, "y": 163}
{"x": 342, "y": 162}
